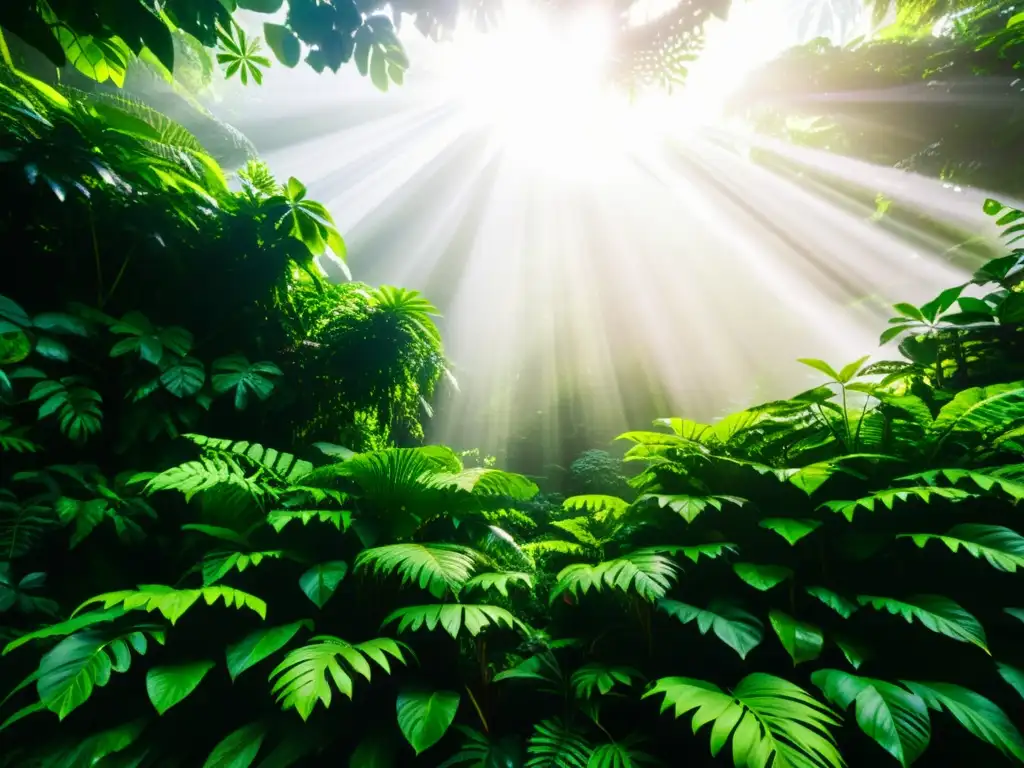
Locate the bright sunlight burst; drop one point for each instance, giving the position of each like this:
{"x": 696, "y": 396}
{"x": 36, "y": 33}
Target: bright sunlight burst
{"x": 549, "y": 102}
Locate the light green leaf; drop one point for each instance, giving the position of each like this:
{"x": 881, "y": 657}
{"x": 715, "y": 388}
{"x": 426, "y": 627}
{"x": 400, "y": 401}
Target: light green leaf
{"x": 258, "y": 645}
{"x": 425, "y": 716}
{"x": 167, "y": 686}
{"x": 735, "y": 627}
{"x": 1002, "y": 547}
{"x": 896, "y": 719}
{"x": 762, "y": 577}
{"x": 802, "y": 641}
{"x": 792, "y": 530}
{"x": 238, "y": 749}
{"x": 937, "y": 613}
{"x": 321, "y": 581}
{"x": 1013, "y": 676}
{"x": 836, "y": 602}
{"x": 974, "y": 712}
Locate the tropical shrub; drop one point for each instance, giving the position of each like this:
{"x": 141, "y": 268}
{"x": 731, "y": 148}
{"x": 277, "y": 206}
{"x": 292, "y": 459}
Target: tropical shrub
{"x": 820, "y": 581}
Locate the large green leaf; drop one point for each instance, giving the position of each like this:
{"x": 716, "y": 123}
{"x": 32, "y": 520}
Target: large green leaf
{"x": 836, "y": 602}
{"x": 84, "y": 661}
{"x": 1002, "y": 547}
{"x": 238, "y": 749}
{"x": 791, "y": 529}
{"x": 601, "y": 678}
{"x": 975, "y": 713}
{"x": 735, "y": 627}
{"x": 894, "y": 717}
{"x": 301, "y": 677}
{"x": 802, "y": 641}
{"x": 425, "y": 716}
{"x": 762, "y": 577}
{"x": 321, "y": 581}
{"x": 173, "y": 603}
{"x": 434, "y": 567}
{"x": 649, "y": 572}
{"x": 167, "y": 686}
{"x": 236, "y": 373}
{"x": 937, "y": 613}
{"x": 767, "y": 717}
{"x": 258, "y": 645}
{"x": 452, "y": 617}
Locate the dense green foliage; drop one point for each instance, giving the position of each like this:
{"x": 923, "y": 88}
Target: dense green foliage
{"x": 221, "y": 545}
{"x": 956, "y": 97}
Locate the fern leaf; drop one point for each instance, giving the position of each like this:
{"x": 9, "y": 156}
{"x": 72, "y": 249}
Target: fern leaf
{"x": 487, "y": 482}
{"x": 341, "y": 519}
{"x": 301, "y": 677}
{"x": 601, "y": 678}
{"x": 284, "y": 466}
{"x": 217, "y": 565}
{"x": 937, "y": 613}
{"x": 437, "y": 568}
{"x": 173, "y": 603}
{"x": 689, "y": 507}
{"x": 1002, "y": 547}
{"x": 983, "y": 480}
{"x": 452, "y": 617}
{"x": 619, "y": 755}
{"x": 890, "y": 496}
{"x": 648, "y": 572}
{"x": 985, "y": 411}
{"x": 769, "y": 719}
{"x": 555, "y": 745}
{"x": 22, "y": 525}
{"x": 553, "y": 547}
{"x": 499, "y": 581}
{"x": 738, "y": 629}
{"x": 597, "y": 503}
{"x": 78, "y": 664}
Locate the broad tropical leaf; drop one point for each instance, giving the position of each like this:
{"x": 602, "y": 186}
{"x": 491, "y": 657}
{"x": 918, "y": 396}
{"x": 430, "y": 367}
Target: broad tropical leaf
{"x": 452, "y": 617}
{"x": 499, "y": 582}
{"x": 258, "y": 645}
{"x": 649, "y": 573}
{"x": 555, "y": 745}
{"x": 762, "y": 577}
{"x": 238, "y": 749}
{"x": 601, "y": 678}
{"x": 301, "y": 677}
{"x": 735, "y": 627}
{"x": 425, "y": 716}
{"x": 937, "y": 613}
{"x": 173, "y": 603}
{"x": 341, "y": 519}
{"x": 1001, "y": 547}
{"x": 767, "y": 717}
{"x": 437, "y": 568}
{"x": 321, "y": 581}
{"x": 802, "y": 641}
{"x": 792, "y": 530}
{"x": 81, "y": 662}
{"x": 975, "y": 713}
{"x": 895, "y": 718}
{"x": 836, "y": 602}
{"x": 982, "y": 480}
{"x": 890, "y": 496}
{"x": 689, "y": 507}
{"x": 168, "y": 686}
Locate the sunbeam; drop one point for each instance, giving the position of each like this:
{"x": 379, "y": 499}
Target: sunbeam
{"x": 600, "y": 263}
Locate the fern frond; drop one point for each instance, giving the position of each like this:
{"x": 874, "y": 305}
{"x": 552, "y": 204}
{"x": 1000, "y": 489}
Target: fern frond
{"x": 601, "y": 678}
{"x": 555, "y": 745}
{"x": 499, "y": 581}
{"x": 688, "y": 507}
{"x": 81, "y": 662}
{"x": 341, "y": 519}
{"x": 647, "y": 572}
{"x": 301, "y": 677}
{"x": 217, "y": 565}
{"x": 434, "y": 567}
{"x": 487, "y": 482}
{"x": 890, "y": 496}
{"x": 452, "y": 617}
{"x": 935, "y": 612}
{"x": 283, "y": 466}
{"x": 22, "y": 525}
{"x": 553, "y": 547}
{"x": 1001, "y": 547}
{"x": 602, "y": 506}
{"x": 770, "y": 720}
{"x": 194, "y": 477}
{"x": 982, "y": 480}
{"x": 173, "y": 603}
